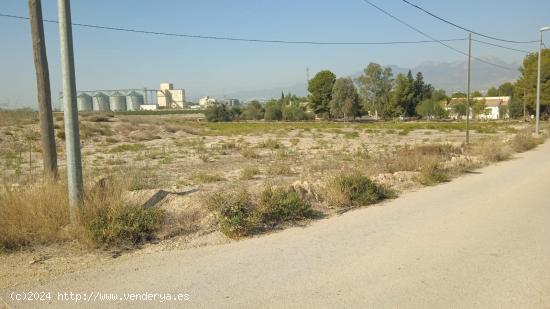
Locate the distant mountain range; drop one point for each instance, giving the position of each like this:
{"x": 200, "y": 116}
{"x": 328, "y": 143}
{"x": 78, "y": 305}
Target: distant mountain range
{"x": 450, "y": 76}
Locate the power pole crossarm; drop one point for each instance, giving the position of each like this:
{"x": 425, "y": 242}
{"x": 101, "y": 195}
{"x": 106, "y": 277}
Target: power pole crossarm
{"x": 49, "y": 153}
{"x": 72, "y": 133}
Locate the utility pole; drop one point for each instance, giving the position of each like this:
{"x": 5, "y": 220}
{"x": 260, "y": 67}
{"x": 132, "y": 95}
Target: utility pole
{"x": 468, "y": 94}
{"x": 49, "y": 153}
{"x": 72, "y": 134}
{"x": 524, "y": 107}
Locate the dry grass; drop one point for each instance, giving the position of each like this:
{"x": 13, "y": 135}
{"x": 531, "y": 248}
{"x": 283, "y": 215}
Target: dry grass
{"x": 39, "y": 215}
{"x": 524, "y": 141}
{"x": 354, "y": 190}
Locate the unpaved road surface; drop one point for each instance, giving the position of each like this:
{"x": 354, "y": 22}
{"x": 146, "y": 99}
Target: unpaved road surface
{"x": 481, "y": 241}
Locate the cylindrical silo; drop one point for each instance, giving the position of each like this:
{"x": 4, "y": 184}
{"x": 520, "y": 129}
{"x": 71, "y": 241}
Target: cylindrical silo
{"x": 133, "y": 101}
{"x": 117, "y": 101}
{"x": 84, "y": 102}
{"x": 101, "y": 102}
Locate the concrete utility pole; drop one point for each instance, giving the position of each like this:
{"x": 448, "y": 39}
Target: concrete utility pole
{"x": 72, "y": 134}
{"x": 538, "y": 80}
{"x": 49, "y": 153}
{"x": 468, "y": 94}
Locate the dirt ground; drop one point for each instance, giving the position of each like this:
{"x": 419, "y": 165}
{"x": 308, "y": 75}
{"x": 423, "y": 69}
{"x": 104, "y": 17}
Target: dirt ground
{"x": 189, "y": 159}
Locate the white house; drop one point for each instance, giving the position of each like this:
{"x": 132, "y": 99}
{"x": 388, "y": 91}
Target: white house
{"x": 493, "y": 107}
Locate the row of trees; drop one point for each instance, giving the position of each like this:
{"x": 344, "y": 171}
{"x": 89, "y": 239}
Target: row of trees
{"x": 288, "y": 108}
{"x": 375, "y": 92}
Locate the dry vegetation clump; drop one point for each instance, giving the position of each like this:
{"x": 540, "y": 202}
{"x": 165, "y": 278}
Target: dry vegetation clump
{"x": 39, "y": 215}
{"x": 240, "y": 213}
{"x": 410, "y": 158}
{"x": 248, "y": 173}
{"x": 33, "y": 215}
{"x": 432, "y": 173}
{"x": 235, "y": 211}
{"x": 202, "y": 177}
{"x": 492, "y": 151}
{"x": 524, "y": 141}
{"x": 354, "y": 190}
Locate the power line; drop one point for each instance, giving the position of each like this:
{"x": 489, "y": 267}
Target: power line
{"x": 195, "y": 36}
{"x": 464, "y": 28}
{"x": 500, "y": 46}
{"x": 432, "y": 38}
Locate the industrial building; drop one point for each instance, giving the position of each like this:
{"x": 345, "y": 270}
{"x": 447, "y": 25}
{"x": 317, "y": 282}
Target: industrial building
{"x": 168, "y": 97}
{"x": 122, "y": 100}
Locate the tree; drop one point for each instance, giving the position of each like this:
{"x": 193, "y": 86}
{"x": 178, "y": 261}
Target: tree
{"x": 506, "y": 89}
{"x": 294, "y": 112}
{"x": 375, "y": 87}
{"x": 320, "y": 89}
{"x": 492, "y": 92}
{"x": 431, "y": 108}
{"x": 218, "y": 113}
{"x": 460, "y": 107}
{"x": 440, "y": 96}
{"x": 273, "y": 111}
{"x": 422, "y": 91}
{"x": 253, "y": 111}
{"x": 515, "y": 108}
{"x": 459, "y": 95}
{"x": 345, "y": 99}
{"x": 476, "y": 94}
{"x": 402, "y": 95}
{"x": 528, "y": 80}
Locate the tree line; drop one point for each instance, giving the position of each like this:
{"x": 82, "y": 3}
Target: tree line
{"x": 378, "y": 93}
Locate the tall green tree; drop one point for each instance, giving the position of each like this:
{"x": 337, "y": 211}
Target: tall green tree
{"x": 422, "y": 90}
{"x": 320, "y": 89}
{"x": 273, "y": 111}
{"x": 506, "y": 89}
{"x": 493, "y": 92}
{"x": 345, "y": 99}
{"x": 402, "y": 95}
{"x": 476, "y": 94}
{"x": 431, "y": 108}
{"x": 528, "y": 81}
{"x": 458, "y": 95}
{"x": 253, "y": 111}
{"x": 375, "y": 87}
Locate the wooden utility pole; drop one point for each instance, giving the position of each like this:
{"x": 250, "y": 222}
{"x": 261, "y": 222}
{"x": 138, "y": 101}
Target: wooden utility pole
{"x": 49, "y": 153}
{"x": 468, "y": 94}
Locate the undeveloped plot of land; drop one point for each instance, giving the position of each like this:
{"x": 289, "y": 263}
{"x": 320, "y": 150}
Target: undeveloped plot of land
{"x": 191, "y": 161}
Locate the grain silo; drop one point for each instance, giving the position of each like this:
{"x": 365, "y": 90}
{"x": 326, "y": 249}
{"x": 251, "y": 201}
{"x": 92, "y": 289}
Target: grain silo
{"x": 84, "y": 102}
{"x": 133, "y": 101}
{"x": 101, "y": 102}
{"x": 117, "y": 101}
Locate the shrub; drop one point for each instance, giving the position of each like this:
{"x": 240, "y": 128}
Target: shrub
{"x": 107, "y": 219}
{"x": 218, "y": 113}
{"x": 127, "y": 147}
{"x": 354, "y": 190}
{"x": 236, "y": 214}
{"x": 431, "y": 173}
{"x": 273, "y": 111}
{"x": 493, "y": 151}
{"x": 278, "y": 205}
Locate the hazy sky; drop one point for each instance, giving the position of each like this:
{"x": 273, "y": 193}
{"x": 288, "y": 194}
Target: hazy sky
{"x": 110, "y": 60}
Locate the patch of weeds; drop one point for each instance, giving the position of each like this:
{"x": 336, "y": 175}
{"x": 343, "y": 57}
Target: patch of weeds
{"x": 236, "y": 212}
{"x": 354, "y": 190}
{"x": 431, "y": 173}
{"x": 202, "y": 177}
{"x": 279, "y": 169}
{"x": 524, "y": 141}
{"x": 278, "y": 205}
{"x": 351, "y": 135}
{"x": 248, "y": 173}
{"x": 249, "y": 153}
{"x": 128, "y": 147}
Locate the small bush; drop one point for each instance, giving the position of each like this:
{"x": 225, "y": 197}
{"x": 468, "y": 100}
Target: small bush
{"x": 278, "y": 205}
{"x": 249, "y": 153}
{"x": 108, "y": 220}
{"x": 354, "y": 190}
{"x": 236, "y": 213}
{"x": 279, "y": 169}
{"x": 431, "y": 173}
{"x": 493, "y": 151}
